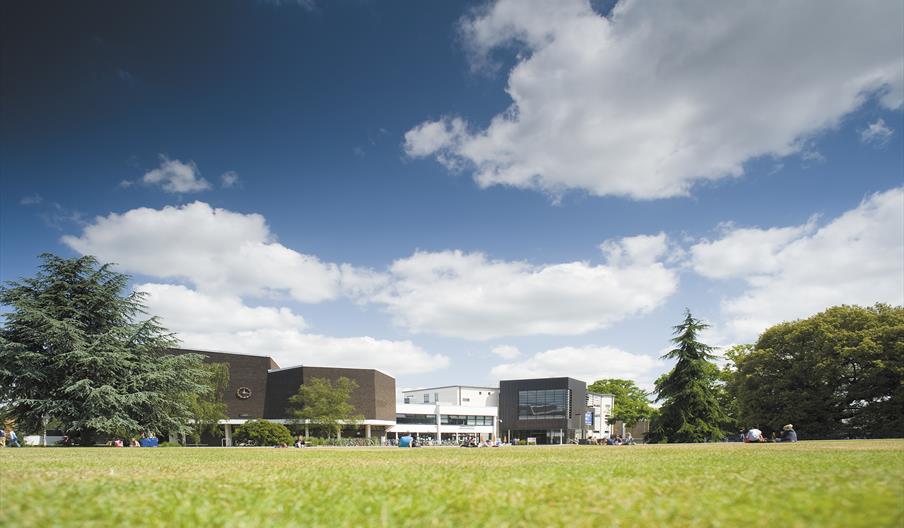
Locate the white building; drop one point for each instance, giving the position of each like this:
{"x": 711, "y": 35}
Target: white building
{"x": 599, "y": 409}
{"x": 464, "y": 395}
{"x": 452, "y": 413}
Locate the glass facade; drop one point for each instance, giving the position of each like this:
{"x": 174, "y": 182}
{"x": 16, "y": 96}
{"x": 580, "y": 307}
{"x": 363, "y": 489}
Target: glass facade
{"x": 416, "y": 419}
{"x": 544, "y": 404}
{"x": 454, "y": 419}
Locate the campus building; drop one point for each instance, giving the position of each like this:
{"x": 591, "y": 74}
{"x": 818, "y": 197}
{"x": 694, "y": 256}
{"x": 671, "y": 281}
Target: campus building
{"x": 260, "y": 389}
{"x": 448, "y": 414}
{"x": 543, "y": 411}
{"x": 599, "y": 409}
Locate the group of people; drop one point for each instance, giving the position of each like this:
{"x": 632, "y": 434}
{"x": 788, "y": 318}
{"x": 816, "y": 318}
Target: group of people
{"x": 9, "y": 438}
{"x": 615, "y": 439}
{"x": 756, "y": 436}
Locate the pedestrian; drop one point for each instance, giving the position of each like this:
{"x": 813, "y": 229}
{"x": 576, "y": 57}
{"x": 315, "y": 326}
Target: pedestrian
{"x": 13, "y": 439}
{"x": 2, "y": 437}
{"x": 789, "y": 434}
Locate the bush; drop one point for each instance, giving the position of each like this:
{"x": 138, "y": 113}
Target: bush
{"x": 169, "y": 444}
{"x": 263, "y": 433}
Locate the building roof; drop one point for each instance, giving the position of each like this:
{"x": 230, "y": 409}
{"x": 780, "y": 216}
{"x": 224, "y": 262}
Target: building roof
{"x": 451, "y": 387}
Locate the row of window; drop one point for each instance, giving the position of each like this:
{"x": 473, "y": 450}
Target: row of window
{"x": 445, "y": 419}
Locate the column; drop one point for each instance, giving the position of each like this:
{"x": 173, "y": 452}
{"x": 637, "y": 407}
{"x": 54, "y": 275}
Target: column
{"x": 306, "y": 429}
{"x": 228, "y": 435}
{"x": 366, "y": 430}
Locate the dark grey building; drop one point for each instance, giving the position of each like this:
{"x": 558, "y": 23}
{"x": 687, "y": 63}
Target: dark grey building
{"x": 259, "y": 388}
{"x": 549, "y": 410}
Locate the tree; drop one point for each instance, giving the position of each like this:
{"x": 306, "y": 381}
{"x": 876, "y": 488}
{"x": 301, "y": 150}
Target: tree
{"x": 208, "y": 409}
{"x": 690, "y": 411}
{"x": 632, "y": 403}
{"x": 75, "y": 351}
{"x": 326, "y": 405}
{"x": 837, "y": 374}
{"x": 263, "y": 433}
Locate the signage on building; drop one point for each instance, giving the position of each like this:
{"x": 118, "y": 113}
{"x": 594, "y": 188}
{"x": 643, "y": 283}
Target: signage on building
{"x": 588, "y": 418}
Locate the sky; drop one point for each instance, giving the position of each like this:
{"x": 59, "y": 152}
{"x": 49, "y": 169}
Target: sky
{"x": 460, "y": 192}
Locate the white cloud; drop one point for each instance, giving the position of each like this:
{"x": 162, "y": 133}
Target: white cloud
{"x": 215, "y": 249}
{"x": 173, "y": 176}
{"x": 663, "y": 95}
{"x": 229, "y": 179}
{"x": 506, "y": 351}
{"x": 224, "y": 323}
{"x": 467, "y": 295}
{"x": 793, "y": 272}
{"x": 588, "y": 363}
{"x": 877, "y": 134}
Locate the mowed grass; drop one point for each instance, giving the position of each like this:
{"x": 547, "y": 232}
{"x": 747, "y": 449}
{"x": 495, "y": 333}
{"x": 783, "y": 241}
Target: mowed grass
{"x": 846, "y": 483}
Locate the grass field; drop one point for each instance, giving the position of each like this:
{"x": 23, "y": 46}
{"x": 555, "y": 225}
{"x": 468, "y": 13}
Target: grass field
{"x": 847, "y": 483}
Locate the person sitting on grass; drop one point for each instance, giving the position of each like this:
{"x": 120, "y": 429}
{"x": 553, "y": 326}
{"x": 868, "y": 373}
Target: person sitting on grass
{"x": 629, "y": 440}
{"x": 789, "y": 434}
{"x": 754, "y": 435}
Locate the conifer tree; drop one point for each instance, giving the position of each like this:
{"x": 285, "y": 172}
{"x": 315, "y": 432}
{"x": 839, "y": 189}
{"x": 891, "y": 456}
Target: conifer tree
{"x": 76, "y": 352}
{"x": 690, "y": 410}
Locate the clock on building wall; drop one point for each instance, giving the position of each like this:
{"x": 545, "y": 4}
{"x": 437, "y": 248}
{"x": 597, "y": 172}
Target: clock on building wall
{"x": 243, "y": 393}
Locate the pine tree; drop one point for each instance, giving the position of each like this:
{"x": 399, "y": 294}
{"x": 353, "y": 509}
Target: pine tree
{"x": 690, "y": 411}
{"x": 77, "y": 353}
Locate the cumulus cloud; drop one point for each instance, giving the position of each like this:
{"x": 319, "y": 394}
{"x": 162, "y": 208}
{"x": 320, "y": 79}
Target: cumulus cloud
{"x": 793, "y": 272}
{"x": 223, "y": 322}
{"x": 468, "y": 295}
{"x": 663, "y": 95}
{"x": 215, "y": 249}
{"x": 506, "y": 351}
{"x": 587, "y": 363}
{"x": 877, "y": 134}
{"x": 174, "y": 176}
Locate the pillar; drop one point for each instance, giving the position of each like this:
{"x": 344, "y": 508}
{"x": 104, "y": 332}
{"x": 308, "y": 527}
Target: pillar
{"x": 366, "y": 430}
{"x": 228, "y": 429}
{"x": 306, "y": 430}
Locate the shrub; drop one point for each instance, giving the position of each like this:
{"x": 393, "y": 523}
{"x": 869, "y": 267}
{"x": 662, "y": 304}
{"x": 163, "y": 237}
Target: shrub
{"x": 169, "y": 444}
{"x": 263, "y": 433}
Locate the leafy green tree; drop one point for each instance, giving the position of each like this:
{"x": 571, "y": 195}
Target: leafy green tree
{"x": 263, "y": 433}
{"x": 209, "y": 408}
{"x": 326, "y": 405}
{"x": 76, "y": 352}
{"x": 837, "y": 374}
{"x": 632, "y": 404}
{"x": 690, "y": 411}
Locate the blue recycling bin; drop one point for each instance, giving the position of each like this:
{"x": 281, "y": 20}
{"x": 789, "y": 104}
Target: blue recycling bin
{"x": 148, "y": 442}
{"x": 405, "y": 441}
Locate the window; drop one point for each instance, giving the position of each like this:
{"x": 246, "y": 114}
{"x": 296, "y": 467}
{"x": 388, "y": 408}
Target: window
{"x": 436, "y": 397}
{"x": 466, "y": 399}
{"x": 407, "y": 399}
{"x": 544, "y": 404}
{"x": 459, "y": 419}
{"x": 427, "y": 397}
{"x": 416, "y": 419}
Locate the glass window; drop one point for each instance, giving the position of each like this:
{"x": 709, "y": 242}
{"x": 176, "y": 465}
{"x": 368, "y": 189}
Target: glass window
{"x": 427, "y": 397}
{"x": 416, "y": 419}
{"x": 544, "y": 404}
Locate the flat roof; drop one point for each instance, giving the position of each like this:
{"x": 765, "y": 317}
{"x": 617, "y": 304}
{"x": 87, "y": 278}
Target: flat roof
{"x": 278, "y": 368}
{"x": 451, "y": 387}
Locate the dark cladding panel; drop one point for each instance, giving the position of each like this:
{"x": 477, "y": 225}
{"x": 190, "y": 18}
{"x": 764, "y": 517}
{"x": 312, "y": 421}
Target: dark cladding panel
{"x": 282, "y": 385}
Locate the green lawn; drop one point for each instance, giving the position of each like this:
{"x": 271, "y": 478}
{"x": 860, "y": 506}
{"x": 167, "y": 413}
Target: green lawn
{"x": 847, "y": 483}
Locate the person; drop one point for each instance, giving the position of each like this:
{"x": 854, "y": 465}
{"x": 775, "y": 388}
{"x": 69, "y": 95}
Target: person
{"x": 610, "y": 440}
{"x": 13, "y": 439}
{"x": 754, "y": 435}
{"x": 117, "y": 443}
{"x": 299, "y": 442}
{"x": 2, "y": 437}
{"x": 629, "y": 440}
{"x": 789, "y": 434}
{"x": 134, "y": 442}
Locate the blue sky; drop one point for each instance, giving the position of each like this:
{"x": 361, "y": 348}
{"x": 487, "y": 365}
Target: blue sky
{"x": 460, "y": 192}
